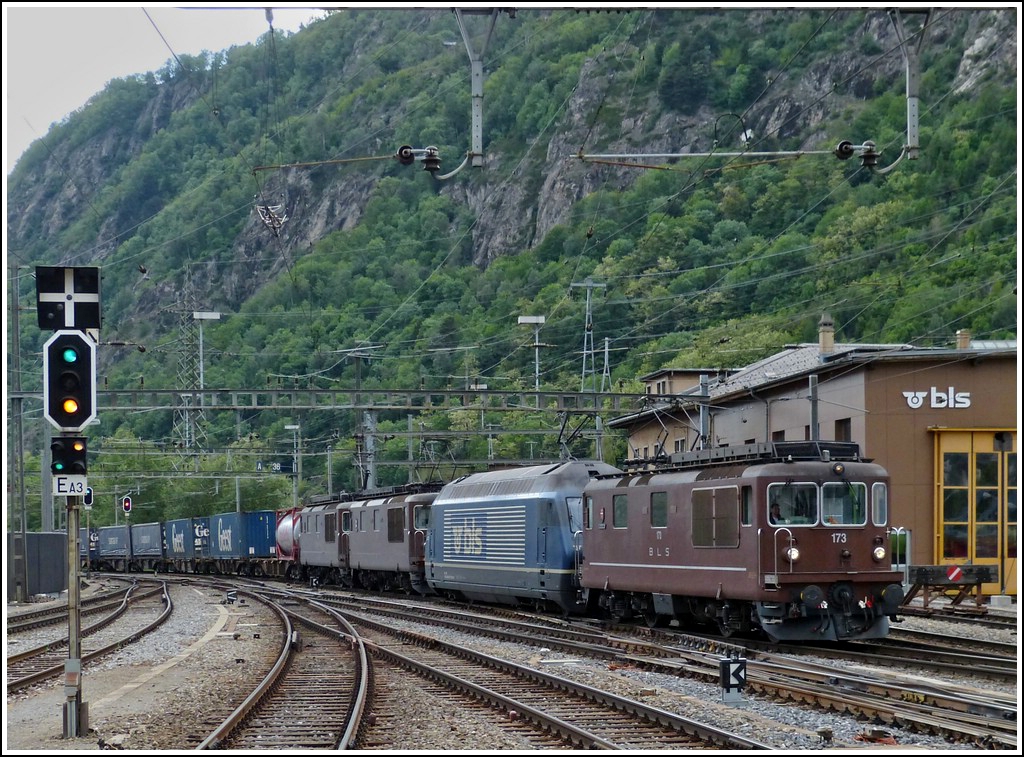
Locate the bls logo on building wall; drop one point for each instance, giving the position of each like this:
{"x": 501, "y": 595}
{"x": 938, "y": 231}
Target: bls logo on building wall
{"x": 939, "y": 399}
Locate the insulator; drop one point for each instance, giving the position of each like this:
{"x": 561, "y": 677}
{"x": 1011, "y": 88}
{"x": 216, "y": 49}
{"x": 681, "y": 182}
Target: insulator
{"x": 431, "y": 160}
{"x": 405, "y": 155}
{"x": 844, "y": 150}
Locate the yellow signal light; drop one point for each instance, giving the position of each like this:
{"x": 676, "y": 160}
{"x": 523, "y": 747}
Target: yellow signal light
{"x": 70, "y": 405}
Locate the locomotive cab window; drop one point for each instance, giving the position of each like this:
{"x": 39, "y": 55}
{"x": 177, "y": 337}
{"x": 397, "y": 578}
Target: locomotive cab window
{"x": 421, "y": 517}
{"x": 346, "y": 521}
{"x": 844, "y": 503}
{"x": 574, "y": 506}
{"x": 792, "y": 504}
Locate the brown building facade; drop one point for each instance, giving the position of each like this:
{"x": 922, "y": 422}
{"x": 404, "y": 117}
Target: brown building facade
{"x": 942, "y": 421}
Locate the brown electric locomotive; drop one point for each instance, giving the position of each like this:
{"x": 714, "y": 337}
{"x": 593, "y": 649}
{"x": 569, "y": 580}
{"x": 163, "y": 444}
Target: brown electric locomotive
{"x": 789, "y": 538}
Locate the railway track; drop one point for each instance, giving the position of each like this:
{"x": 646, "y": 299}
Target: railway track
{"x": 883, "y": 692}
{"x": 583, "y": 716}
{"x": 288, "y": 709}
{"x": 880, "y": 694}
{"x": 542, "y": 708}
{"x": 140, "y": 611}
{"x": 21, "y": 621}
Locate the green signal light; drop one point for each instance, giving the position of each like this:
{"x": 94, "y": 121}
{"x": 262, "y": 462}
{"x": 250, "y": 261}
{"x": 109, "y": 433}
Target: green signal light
{"x": 58, "y": 466}
{"x": 69, "y": 355}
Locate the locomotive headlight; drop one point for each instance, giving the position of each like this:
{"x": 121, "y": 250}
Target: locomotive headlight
{"x": 838, "y": 469}
{"x": 792, "y": 554}
{"x": 878, "y": 553}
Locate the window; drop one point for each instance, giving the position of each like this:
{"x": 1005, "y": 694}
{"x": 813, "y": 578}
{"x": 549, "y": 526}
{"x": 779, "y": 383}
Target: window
{"x": 844, "y": 503}
{"x": 659, "y": 509}
{"x": 421, "y": 517}
{"x": 619, "y": 513}
{"x": 588, "y": 513}
{"x": 396, "y": 524}
{"x": 746, "y": 505}
{"x": 797, "y": 504}
{"x": 879, "y": 503}
{"x": 955, "y": 504}
{"x": 843, "y": 430}
{"x": 346, "y": 521}
{"x": 575, "y": 507}
{"x": 330, "y": 527}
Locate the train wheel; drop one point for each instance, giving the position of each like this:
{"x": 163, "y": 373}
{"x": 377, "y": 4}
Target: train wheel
{"x": 653, "y": 620}
{"x": 725, "y": 630}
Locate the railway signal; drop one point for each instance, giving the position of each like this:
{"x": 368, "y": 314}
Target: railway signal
{"x": 126, "y": 504}
{"x": 69, "y": 380}
{"x": 67, "y": 455}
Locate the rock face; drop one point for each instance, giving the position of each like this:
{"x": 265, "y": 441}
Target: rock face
{"x": 516, "y": 199}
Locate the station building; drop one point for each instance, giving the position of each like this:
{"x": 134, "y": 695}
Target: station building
{"x": 942, "y": 421}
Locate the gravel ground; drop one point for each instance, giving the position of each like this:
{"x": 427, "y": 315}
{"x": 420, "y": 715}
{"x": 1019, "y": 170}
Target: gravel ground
{"x": 145, "y": 697}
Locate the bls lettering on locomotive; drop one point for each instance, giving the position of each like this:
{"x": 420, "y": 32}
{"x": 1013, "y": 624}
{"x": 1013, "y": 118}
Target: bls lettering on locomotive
{"x": 468, "y": 539}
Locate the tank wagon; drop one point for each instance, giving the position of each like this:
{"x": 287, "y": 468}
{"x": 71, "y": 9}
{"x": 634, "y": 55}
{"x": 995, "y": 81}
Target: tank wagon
{"x": 511, "y": 536}
{"x": 696, "y": 541}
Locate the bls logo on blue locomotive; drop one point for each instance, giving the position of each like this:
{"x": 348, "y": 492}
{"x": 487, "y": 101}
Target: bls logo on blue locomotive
{"x": 494, "y": 536}
{"x": 468, "y": 539}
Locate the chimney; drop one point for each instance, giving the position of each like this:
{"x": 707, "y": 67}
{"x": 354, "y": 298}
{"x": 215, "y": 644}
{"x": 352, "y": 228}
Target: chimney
{"x": 826, "y": 335}
{"x": 963, "y": 339}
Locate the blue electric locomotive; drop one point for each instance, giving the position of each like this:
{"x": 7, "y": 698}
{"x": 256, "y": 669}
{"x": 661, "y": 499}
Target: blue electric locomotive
{"x": 511, "y": 536}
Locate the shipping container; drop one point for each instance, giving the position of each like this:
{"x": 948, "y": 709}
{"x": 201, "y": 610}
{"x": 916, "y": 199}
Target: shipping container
{"x": 246, "y": 535}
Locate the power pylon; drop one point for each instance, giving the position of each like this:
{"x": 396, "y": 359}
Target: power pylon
{"x": 588, "y": 337}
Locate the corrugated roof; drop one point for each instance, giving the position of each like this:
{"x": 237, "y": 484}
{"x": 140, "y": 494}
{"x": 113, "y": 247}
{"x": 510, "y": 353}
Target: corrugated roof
{"x": 797, "y": 359}
{"x": 792, "y": 361}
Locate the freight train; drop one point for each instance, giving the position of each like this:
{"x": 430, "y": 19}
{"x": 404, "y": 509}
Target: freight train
{"x": 788, "y": 540}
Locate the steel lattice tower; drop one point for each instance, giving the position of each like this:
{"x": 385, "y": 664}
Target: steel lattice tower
{"x": 188, "y": 416}
{"x": 588, "y": 338}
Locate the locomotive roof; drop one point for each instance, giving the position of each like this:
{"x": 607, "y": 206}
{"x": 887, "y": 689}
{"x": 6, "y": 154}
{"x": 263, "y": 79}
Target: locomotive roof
{"x": 772, "y": 452}
{"x": 525, "y": 479}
